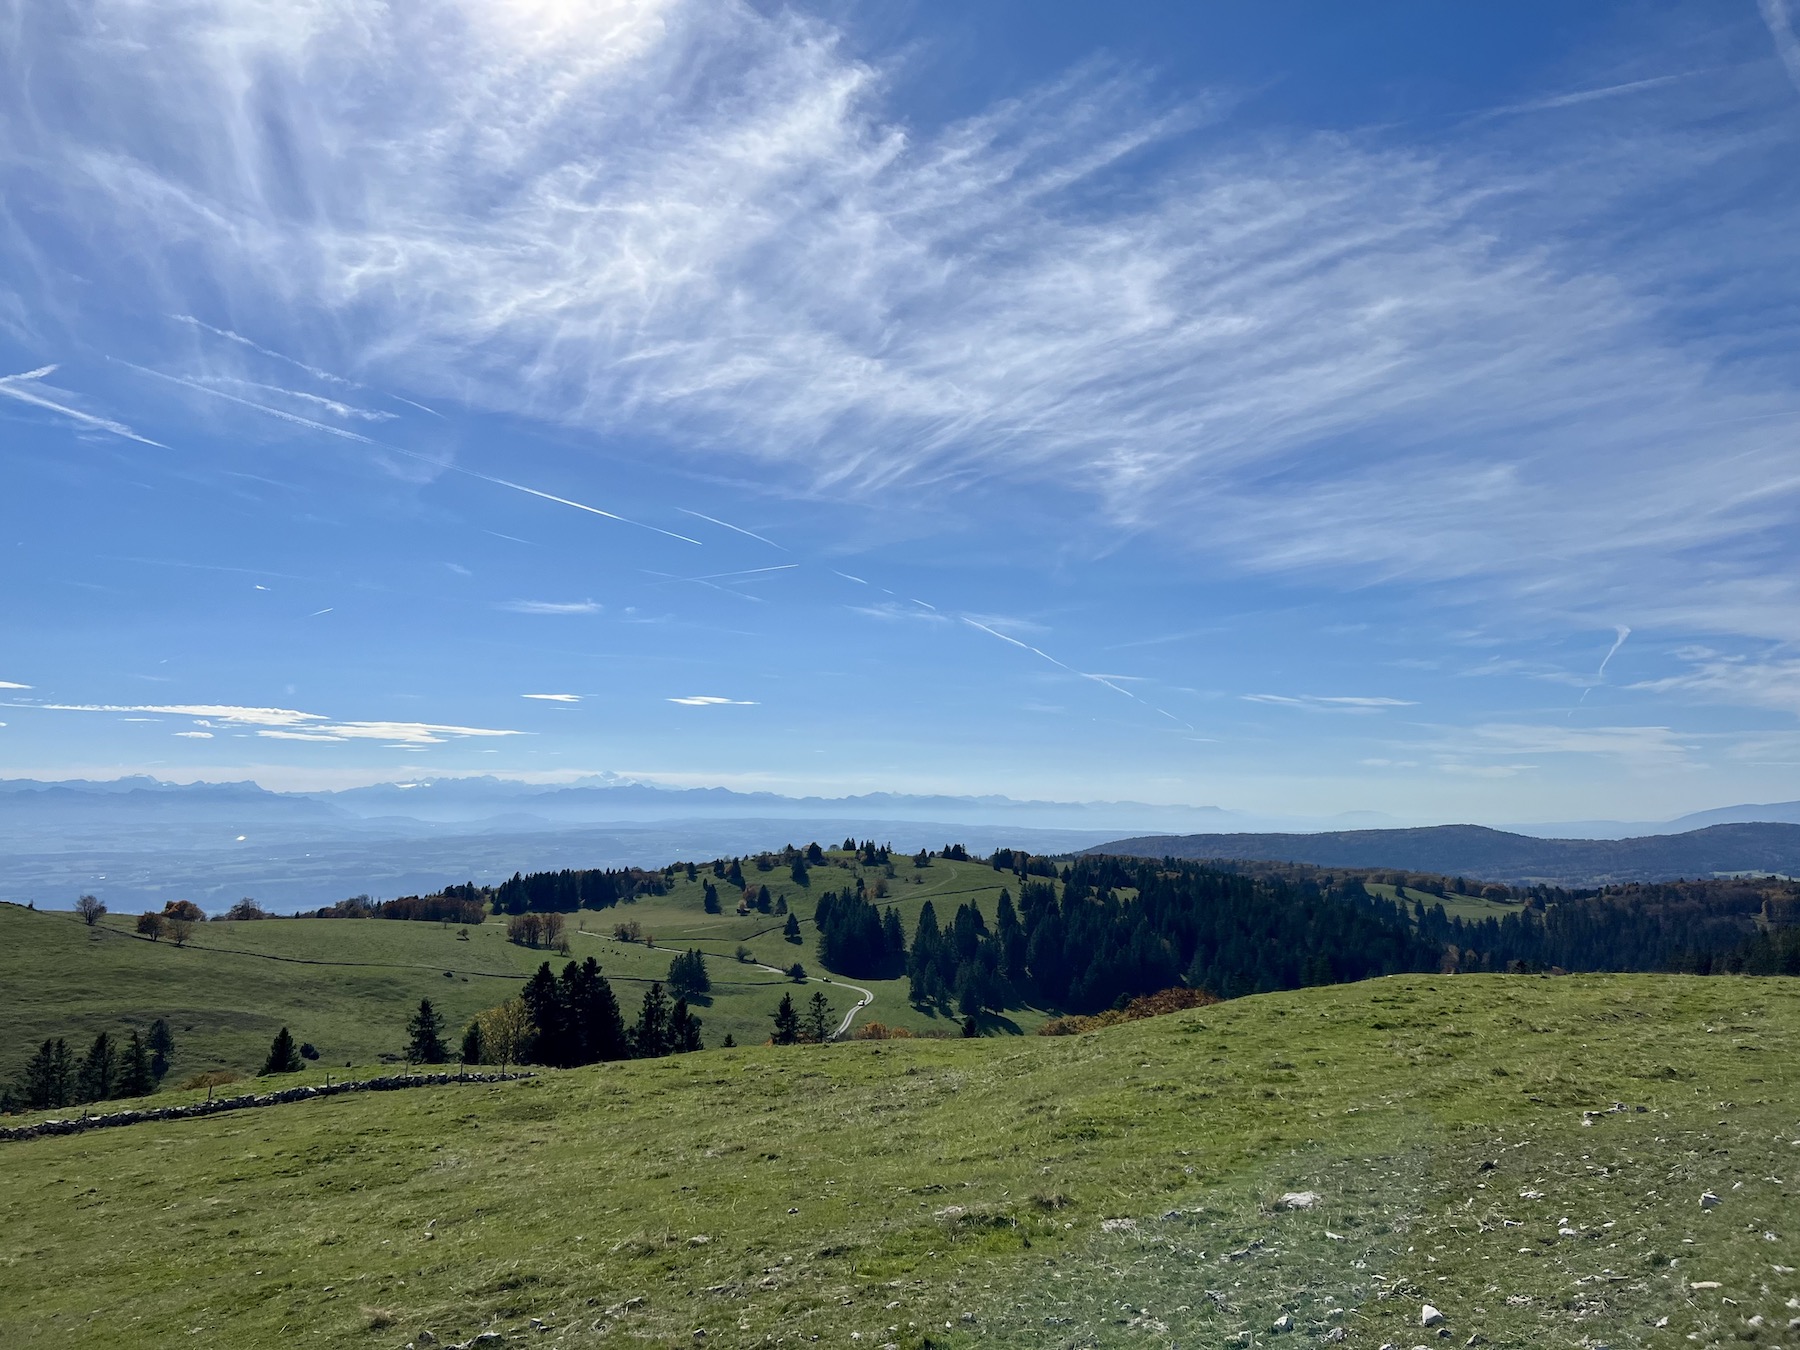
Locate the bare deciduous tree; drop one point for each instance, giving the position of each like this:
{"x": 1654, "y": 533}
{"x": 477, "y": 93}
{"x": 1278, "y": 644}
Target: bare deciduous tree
{"x": 90, "y": 909}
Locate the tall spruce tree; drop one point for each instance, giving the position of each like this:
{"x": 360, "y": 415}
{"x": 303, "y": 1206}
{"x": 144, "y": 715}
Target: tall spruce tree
{"x": 472, "y": 1048}
{"x": 162, "y": 1048}
{"x": 684, "y": 1030}
{"x": 425, "y": 1030}
{"x": 791, "y": 929}
{"x": 820, "y": 1019}
{"x": 650, "y": 1037}
{"x": 48, "y": 1080}
{"x": 135, "y": 1076}
{"x": 787, "y": 1022}
{"x": 549, "y": 1022}
{"x": 922, "y": 959}
{"x": 594, "y": 1014}
{"x": 710, "y": 898}
{"x": 284, "y": 1055}
{"x": 97, "y": 1076}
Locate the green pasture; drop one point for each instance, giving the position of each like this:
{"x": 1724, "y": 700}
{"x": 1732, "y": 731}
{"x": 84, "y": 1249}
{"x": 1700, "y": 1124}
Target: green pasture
{"x": 348, "y": 985}
{"x": 1526, "y": 1154}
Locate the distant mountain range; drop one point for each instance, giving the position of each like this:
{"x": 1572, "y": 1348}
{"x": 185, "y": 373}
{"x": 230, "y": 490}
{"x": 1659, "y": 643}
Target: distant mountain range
{"x": 139, "y": 838}
{"x": 1478, "y": 853}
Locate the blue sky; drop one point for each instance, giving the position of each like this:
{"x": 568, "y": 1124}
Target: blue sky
{"x": 1299, "y": 409}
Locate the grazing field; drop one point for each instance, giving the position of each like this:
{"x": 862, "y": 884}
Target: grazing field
{"x": 348, "y": 985}
{"x": 1119, "y": 1188}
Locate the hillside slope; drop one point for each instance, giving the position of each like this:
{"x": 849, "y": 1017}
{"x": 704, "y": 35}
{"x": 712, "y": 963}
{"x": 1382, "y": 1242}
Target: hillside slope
{"x": 1474, "y": 851}
{"x": 1114, "y": 1189}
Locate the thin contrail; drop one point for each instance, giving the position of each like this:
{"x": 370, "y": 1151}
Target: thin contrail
{"x": 726, "y": 524}
{"x": 1612, "y": 651}
{"x": 1600, "y": 674}
{"x": 439, "y": 464}
{"x": 9, "y": 387}
{"x": 1064, "y": 665}
{"x": 314, "y": 371}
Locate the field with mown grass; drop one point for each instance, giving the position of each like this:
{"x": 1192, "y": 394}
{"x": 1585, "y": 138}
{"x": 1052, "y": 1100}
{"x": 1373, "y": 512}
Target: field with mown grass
{"x": 1118, "y": 1188}
{"x": 348, "y": 985}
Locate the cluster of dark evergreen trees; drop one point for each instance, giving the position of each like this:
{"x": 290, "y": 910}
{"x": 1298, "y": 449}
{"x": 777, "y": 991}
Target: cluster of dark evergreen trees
{"x": 110, "y": 1070}
{"x": 1091, "y": 947}
{"x": 856, "y": 939}
{"x": 570, "y": 890}
{"x": 575, "y": 1019}
{"x": 1696, "y": 926}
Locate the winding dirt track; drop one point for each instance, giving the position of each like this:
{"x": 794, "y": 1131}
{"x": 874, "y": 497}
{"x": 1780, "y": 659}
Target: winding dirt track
{"x": 866, "y": 1001}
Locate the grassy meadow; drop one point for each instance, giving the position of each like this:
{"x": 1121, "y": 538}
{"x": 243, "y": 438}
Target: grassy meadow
{"x": 1118, "y": 1188}
{"x": 348, "y": 985}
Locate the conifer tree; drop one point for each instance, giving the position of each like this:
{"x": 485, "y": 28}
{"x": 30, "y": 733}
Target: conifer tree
{"x": 820, "y": 1018}
{"x": 162, "y": 1048}
{"x": 688, "y": 977}
{"x": 48, "y": 1079}
{"x": 787, "y": 1022}
{"x": 791, "y": 929}
{"x": 650, "y": 1037}
{"x": 97, "y": 1076}
{"x": 549, "y": 1032}
{"x": 472, "y": 1048}
{"x": 135, "y": 1076}
{"x": 729, "y": 1043}
{"x": 922, "y": 959}
{"x": 284, "y": 1056}
{"x": 798, "y": 872}
{"x": 426, "y": 1030}
{"x": 710, "y": 898}
{"x": 596, "y": 1024}
{"x": 684, "y": 1030}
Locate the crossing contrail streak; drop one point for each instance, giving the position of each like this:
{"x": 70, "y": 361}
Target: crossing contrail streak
{"x": 726, "y": 524}
{"x": 341, "y": 433}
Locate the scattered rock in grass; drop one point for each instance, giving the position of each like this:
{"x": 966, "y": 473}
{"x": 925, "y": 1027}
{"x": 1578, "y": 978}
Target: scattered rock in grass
{"x": 1118, "y": 1225}
{"x": 1335, "y": 1335}
{"x": 1298, "y": 1200}
{"x": 1283, "y": 1323}
{"x": 1704, "y": 1284}
{"x": 1708, "y": 1200}
{"x": 1429, "y": 1316}
{"x": 699, "y": 1240}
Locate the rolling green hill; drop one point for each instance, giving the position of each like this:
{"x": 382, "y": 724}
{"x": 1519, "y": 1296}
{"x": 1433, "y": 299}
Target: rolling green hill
{"x": 1120, "y": 1188}
{"x": 347, "y": 985}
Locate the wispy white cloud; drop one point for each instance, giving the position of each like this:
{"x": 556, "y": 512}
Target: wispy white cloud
{"x": 194, "y": 735}
{"x": 1781, "y": 30}
{"x": 1744, "y": 681}
{"x": 1657, "y": 744}
{"x": 554, "y": 698}
{"x": 714, "y": 701}
{"x": 8, "y": 684}
{"x": 287, "y": 724}
{"x": 1340, "y": 351}
{"x": 552, "y": 606}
